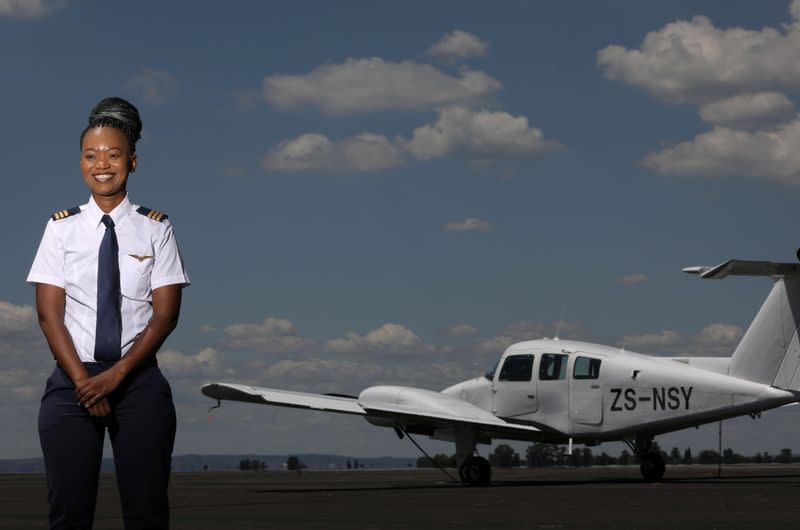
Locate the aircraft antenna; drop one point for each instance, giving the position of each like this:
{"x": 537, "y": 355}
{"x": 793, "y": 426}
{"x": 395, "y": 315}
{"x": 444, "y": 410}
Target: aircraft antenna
{"x": 560, "y": 322}
{"x": 398, "y": 426}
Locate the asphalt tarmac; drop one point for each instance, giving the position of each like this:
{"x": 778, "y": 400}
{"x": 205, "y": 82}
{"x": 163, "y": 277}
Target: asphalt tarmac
{"x": 747, "y": 496}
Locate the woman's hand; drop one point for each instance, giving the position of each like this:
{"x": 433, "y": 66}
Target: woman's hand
{"x": 101, "y": 409}
{"x": 90, "y": 391}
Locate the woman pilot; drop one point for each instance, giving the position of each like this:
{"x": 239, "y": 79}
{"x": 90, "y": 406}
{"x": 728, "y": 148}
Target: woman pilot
{"x": 108, "y": 279}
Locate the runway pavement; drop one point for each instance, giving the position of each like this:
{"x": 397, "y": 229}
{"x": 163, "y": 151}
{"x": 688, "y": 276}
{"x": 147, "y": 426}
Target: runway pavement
{"x": 747, "y": 496}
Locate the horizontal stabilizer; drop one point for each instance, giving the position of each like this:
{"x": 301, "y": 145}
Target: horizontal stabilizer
{"x": 738, "y": 267}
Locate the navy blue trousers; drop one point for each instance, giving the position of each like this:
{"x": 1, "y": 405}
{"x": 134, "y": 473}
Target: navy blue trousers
{"x": 142, "y": 433}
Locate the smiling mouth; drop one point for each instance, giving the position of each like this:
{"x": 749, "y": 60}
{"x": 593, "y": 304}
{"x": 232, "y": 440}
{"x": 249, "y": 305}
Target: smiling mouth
{"x": 103, "y": 177}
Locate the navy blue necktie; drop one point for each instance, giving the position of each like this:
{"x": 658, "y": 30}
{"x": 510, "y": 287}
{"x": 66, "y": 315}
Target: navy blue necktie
{"x": 108, "y": 334}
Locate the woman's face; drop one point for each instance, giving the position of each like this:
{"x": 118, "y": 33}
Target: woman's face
{"x": 106, "y": 162}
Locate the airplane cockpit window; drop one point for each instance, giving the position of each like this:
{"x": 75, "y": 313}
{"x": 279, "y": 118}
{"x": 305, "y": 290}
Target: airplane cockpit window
{"x": 517, "y": 368}
{"x": 586, "y": 368}
{"x": 490, "y": 372}
{"x": 553, "y": 366}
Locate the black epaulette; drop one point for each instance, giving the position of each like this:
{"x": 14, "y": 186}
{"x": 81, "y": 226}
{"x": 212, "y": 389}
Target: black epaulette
{"x": 155, "y": 215}
{"x": 63, "y": 214}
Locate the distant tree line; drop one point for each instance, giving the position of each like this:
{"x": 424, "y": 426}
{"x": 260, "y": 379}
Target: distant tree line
{"x": 294, "y": 464}
{"x": 252, "y": 465}
{"x": 354, "y": 464}
{"x": 549, "y": 455}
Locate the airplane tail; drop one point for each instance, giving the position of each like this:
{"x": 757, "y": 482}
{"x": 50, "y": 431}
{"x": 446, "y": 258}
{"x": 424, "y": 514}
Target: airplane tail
{"x": 769, "y": 352}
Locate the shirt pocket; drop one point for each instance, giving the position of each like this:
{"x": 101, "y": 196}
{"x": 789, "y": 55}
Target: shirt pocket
{"x": 135, "y": 269}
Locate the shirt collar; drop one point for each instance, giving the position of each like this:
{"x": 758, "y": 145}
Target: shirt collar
{"x": 118, "y": 214}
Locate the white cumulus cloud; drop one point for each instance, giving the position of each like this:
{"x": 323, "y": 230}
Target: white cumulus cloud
{"x": 470, "y": 224}
{"x": 749, "y": 111}
{"x": 693, "y": 61}
{"x": 458, "y": 44}
{"x": 273, "y": 335}
{"x": 714, "y": 339}
{"x": 153, "y": 87}
{"x": 29, "y": 8}
{"x": 480, "y": 135}
{"x": 207, "y": 361}
{"x": 367, "y": 85}
{"x": 316, "y": 152}
{"x": 325, "y": 370}
{"x": 17, "y": 320}
{"x": 741, "y": 80}
{"x": 725, "y": 152}
{"x": 632, "y": 279}
{"x": 524, "y": 330}
{"x": 389, "y": 338}
{"x": 460, "y": 330}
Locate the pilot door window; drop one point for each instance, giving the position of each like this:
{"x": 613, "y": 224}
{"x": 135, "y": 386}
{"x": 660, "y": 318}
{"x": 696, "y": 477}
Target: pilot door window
{"x": 517, "y": 368}
{"x": 553, "y": 366}
{"x": 586, "y": 368}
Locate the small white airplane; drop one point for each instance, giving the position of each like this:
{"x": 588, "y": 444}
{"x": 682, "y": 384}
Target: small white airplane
{"x": 560, "y": 391}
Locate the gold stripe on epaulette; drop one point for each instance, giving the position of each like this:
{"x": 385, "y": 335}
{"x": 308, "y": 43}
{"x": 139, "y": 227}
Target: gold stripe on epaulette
{"x": 159, "y": 216}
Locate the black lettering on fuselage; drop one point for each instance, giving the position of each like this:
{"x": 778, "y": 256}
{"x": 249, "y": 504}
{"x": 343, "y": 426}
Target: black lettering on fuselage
{"x": 674, "y": 402}
{"x": 617, "y": 393}
{"x": 658, "y": 399}
{"x": 663, "y": 398}
{"x": 686, "y": 396}
{"x": 630, "y": 399}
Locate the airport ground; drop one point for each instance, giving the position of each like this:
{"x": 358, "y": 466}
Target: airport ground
{"x": 746, "y": 496}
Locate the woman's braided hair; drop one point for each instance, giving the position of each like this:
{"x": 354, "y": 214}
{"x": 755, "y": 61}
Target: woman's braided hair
{"x": 118, "y": 114}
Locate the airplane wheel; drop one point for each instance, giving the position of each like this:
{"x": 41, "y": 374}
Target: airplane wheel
{"x": 475, "y": 471}
{"x": 652, "y": 467}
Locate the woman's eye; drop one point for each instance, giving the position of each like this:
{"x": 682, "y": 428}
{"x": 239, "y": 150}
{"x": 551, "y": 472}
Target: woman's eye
{"x": 89, "y": 157}
{"x": 113, "y": 156}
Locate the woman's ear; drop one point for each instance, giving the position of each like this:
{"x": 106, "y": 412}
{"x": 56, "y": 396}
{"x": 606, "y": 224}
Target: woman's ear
{"x": 132, "y": 163}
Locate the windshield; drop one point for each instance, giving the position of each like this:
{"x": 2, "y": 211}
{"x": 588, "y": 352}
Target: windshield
{"x": 490, "y": 372}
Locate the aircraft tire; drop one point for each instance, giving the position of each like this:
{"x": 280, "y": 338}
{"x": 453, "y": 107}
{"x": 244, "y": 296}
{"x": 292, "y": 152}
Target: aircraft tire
{"x": 652, "y": 467}
{"x": 475, "y": 471}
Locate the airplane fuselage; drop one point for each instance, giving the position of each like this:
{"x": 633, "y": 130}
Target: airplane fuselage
{"x": 594, "y": 393}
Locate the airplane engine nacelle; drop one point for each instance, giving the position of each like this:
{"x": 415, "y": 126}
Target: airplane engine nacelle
{"x": 415, "y": 398}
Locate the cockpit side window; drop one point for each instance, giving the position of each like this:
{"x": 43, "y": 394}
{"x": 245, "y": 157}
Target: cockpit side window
{"x": 490, "y": 372}
{"x": 517, "y": 368}
{"x": 553, "y": 366}
{"x": 586, "y": 368}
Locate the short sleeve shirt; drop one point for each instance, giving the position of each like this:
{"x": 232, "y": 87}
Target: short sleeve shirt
{"x": 68, "y": 256}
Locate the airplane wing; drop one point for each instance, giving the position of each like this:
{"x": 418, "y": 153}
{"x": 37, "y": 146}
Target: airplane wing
{"x": 738, "y": 267}
{"x": 448, "y": 411}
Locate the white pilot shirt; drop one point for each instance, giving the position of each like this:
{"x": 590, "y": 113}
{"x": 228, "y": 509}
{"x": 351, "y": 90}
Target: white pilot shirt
{"x": 67, "y": 258}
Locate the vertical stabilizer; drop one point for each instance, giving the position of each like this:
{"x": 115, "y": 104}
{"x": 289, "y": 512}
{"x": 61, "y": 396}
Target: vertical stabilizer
{"x": 769, "y": 352}
{"x": 765, "y": 353}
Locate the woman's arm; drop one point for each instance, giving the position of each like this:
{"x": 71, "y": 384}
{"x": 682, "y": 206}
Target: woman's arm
{"x": 50, "y": 303}
{"x": 166, "y": 310}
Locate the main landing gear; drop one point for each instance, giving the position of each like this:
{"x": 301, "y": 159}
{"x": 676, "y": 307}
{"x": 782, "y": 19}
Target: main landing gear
{"x": 473, "y": 470}
{"x": 651, "y": 463}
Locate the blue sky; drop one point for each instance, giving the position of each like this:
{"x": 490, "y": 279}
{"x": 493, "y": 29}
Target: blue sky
{"x": 369, "y": 193}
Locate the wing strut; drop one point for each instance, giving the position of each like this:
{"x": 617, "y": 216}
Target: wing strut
{"x": 443, "y": 470}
